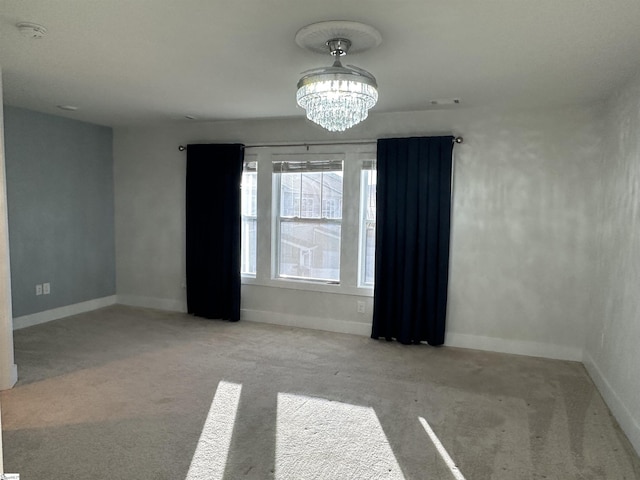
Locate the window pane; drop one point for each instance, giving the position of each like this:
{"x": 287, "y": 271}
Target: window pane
{"x": 309, "y": 219}
{"x": 368, "y": 230}
{"x": 248, "y": 208}
{"x": 290, "y": 194}
{"x": 332, "y": 195}
{"x": 369, "y": 254}
{"x": 311, "y": 195}
{"x": 248, "y": 254}
{"x": 310, "y": 250}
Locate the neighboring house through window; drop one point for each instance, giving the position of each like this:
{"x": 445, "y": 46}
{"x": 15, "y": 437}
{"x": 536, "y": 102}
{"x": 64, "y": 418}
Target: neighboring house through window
{"x": 308, "y": 242}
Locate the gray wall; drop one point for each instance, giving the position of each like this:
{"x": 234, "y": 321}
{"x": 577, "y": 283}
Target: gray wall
{"x": 612, "y": 354}
{"x": 60, "y": 201}
{"x": 522, "y": 243}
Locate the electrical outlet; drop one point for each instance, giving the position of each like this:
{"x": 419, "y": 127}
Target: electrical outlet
{"x": 46, "y": 288}
{"x": 360, "y": 306}
{"x": 39, "y": 289}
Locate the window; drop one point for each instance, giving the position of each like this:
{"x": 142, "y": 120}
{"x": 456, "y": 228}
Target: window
{"x": 249, "y": 210}
{"x": 368, "y": 223}
{"x": 332, "y": 208}
{"x": 308, "y": 219}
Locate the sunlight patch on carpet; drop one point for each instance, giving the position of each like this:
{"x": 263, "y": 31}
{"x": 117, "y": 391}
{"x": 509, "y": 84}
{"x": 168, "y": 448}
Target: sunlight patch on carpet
{"x": 210, "y": 457}
{"x": 441, "y": 450}
{"x": 320, "y": 439}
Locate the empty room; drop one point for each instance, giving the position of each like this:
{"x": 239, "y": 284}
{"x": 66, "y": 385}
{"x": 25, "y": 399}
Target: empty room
{"x": 320, "y": 240}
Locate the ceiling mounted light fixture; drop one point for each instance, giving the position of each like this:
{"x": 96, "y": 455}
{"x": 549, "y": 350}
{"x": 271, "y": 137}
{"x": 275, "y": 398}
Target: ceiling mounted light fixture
{"x": 337, "y": 97}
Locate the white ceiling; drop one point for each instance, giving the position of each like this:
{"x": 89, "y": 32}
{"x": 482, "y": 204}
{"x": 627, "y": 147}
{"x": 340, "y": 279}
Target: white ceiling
{"x": 128, "y": 62}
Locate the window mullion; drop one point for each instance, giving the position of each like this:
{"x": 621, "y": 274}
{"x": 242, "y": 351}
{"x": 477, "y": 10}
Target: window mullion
{"x": 350, "y": 220}
{"x": 318, "y": 221}
{"x": 263, "y": 216}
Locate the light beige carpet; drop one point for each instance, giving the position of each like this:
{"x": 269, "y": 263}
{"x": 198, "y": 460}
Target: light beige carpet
{"x": 126, "y": 393}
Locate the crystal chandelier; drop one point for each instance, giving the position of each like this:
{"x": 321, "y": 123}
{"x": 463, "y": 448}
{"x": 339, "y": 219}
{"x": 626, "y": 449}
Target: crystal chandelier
{"x": 337, "y": 97}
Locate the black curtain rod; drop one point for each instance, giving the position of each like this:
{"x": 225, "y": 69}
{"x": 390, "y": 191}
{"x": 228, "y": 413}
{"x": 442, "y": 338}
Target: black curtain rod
{"x": 182, "y": 148}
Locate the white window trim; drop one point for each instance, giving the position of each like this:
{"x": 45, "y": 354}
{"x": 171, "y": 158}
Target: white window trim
{"x": 278, "y": 220}
{"x": 354, "y": 155}
{"x": 247, "y": 159}
{"x": 363, "y": 243}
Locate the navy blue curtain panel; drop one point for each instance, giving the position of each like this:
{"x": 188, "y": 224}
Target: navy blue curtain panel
{"x": 412, "y": 239}
{"x": 214, "y": 173}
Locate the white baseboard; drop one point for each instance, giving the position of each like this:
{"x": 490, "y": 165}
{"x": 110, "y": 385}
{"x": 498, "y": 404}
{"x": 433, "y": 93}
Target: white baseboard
{"x": 517, "y": 347}
{"x": 314, "y": 323}
{"x": 151, "y": 302}
{"x": 461, "y": 340}
{"x": 8, "y": 382}
{"x": 501, "y": 345}
{"x": 629, "y": 424}
{"x": 61, "y": 312}
{"x": 14, "y": 374}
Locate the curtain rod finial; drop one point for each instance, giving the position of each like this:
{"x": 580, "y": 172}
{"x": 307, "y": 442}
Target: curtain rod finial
{"x": 458, "y": 140}
{"x": 182, "y": 148}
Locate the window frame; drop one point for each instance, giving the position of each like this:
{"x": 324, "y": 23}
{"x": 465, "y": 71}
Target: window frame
{"x": 249, "y": 159}
{"x": 266, "y": 263}
{"x": 304, "y": 164}
{"x": 367, "y": 166}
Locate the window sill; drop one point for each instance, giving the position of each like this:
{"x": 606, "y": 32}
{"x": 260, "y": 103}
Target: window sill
{"x": 333, "y": 288}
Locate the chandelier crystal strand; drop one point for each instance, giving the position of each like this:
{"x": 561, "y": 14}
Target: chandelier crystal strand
{"x": 337, "y": 104}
